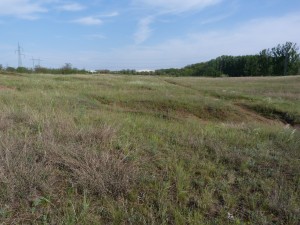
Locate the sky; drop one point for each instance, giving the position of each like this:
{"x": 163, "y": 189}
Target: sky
{"x": 141, "y": 34}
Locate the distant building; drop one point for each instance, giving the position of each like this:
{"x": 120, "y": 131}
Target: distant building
{"x": 145, "y": 70}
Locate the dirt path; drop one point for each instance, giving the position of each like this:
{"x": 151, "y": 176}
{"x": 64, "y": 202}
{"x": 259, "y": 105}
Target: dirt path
{"x": 255, "y": 115}
{"x": 252, "y": 114}
{"x": 6, "y": 88}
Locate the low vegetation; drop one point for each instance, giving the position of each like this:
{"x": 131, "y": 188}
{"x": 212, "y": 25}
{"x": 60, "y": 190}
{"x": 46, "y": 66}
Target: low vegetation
{"x": 107, "y": 149}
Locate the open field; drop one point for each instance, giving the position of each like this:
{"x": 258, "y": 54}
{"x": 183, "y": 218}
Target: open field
{"x": 109, "y": 149}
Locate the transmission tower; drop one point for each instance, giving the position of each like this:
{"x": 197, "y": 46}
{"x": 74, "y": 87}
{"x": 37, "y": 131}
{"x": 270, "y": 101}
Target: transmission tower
{"x": 20, "y": 54}
{"x": 36, "y": 60}
{"x": 39, "y": 62}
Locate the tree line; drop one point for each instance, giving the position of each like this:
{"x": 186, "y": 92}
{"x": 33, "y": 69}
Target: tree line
{"x": 284, "y": 59}
{"x": 65, "y": 70}
{"x": 280, "y": 60}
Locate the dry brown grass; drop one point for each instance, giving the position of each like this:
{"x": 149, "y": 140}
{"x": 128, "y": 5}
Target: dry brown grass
{"x": 100, "y": 173}
{"x": 45, "y": 158}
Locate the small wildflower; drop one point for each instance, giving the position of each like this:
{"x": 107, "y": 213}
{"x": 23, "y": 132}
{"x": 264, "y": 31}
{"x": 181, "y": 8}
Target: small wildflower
{"x": 293, "y": 132}
{"x": 230, "y": 216}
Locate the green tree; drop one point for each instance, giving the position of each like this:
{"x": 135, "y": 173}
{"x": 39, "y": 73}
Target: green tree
{"x": 251, "y": 66}
{"x": 285, "y": 58}
{"x": 265, "y": 62}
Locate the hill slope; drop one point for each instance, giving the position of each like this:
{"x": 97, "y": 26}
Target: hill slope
{"x": 149, "y": 150}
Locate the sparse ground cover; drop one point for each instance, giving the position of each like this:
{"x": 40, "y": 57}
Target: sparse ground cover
{"x": 149, "y": 150}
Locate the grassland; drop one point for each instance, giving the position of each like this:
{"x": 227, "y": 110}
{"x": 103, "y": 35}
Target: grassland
{"x": 108, "y": 149}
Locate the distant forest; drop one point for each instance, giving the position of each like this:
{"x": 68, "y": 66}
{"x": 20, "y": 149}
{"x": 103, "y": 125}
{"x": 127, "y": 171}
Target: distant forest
{"x": 282, "y": 60}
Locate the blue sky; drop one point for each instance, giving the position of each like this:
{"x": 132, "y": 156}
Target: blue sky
{"x": 142, "y": 34}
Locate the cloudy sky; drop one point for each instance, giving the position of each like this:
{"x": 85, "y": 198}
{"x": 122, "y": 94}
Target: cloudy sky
{"x": 142, "y": 34}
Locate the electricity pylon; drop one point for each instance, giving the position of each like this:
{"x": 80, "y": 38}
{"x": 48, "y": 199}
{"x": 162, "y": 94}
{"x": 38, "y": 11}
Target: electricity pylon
{"x": 20, "y": 54}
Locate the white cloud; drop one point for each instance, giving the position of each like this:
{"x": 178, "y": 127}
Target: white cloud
{"x": 177, "y": 5}
{"x": 73, "y": 7}
{"x": 112, "y": 14}
{"x": 94, "y": 36}
{"x": 164, "y": 7}
{"x": 27, "y": 9}
{"x": 248, "y": 38}
{"x": 89, "y": 20}
{"x": 144, "y": 31}
{"x": 94, "y": 20}
{"x": 216, "y": 18}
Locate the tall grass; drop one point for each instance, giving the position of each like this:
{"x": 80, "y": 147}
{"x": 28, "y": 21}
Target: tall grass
{"x": 148, "y": 150}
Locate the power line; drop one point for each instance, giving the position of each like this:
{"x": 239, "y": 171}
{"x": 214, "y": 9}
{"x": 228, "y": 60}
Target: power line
{"x": 38, "y": 62}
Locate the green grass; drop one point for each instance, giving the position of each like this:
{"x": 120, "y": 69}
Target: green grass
{"x": 107, "y": 149}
